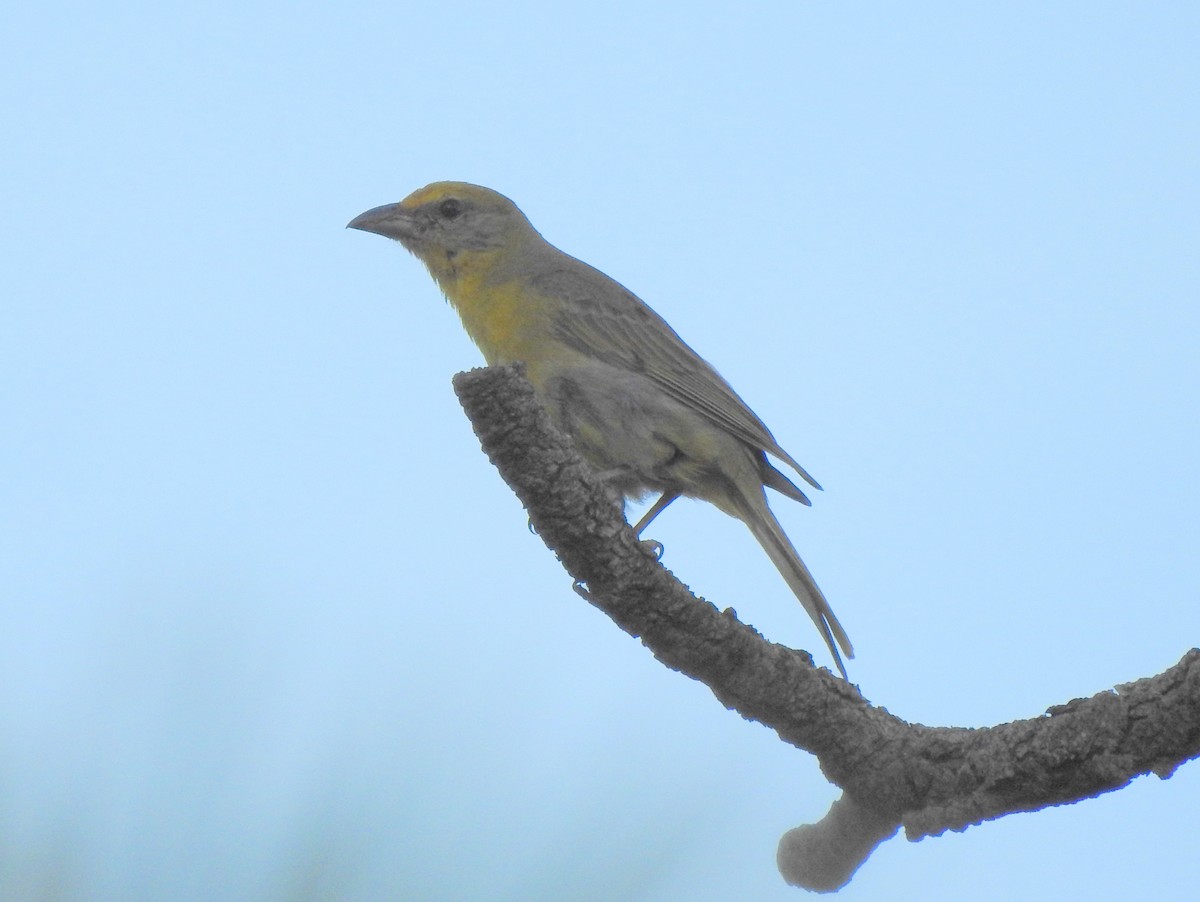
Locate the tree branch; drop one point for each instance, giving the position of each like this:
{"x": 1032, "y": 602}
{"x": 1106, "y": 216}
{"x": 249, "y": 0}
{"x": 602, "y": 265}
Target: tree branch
{"x": 926, "y": 779}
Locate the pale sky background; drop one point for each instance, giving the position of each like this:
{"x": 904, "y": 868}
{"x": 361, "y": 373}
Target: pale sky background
{"x": 271, "y": 626}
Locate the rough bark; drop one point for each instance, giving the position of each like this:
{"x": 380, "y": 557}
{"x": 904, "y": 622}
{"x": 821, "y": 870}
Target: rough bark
{"x": 893, "y": 774}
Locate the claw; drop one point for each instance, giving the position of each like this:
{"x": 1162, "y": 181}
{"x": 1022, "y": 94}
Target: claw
{"x": 651, "y": 547}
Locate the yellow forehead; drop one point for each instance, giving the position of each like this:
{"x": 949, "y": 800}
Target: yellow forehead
{"x": 440, "y": 190}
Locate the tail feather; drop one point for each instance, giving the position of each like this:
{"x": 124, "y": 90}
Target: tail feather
{"x": 771, "y": 537}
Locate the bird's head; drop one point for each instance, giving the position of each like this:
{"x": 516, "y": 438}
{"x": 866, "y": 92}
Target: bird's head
{"x": 445, "y": 222}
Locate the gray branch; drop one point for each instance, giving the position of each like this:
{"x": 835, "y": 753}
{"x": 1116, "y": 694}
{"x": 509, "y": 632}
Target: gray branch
{"x": 893, "y": 773}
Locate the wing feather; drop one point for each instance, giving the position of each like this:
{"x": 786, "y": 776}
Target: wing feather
{"x": 611, "y": 324}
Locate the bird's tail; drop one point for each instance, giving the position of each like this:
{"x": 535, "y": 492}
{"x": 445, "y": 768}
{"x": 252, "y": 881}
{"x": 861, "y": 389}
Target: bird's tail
{"x": 770, "y": 535}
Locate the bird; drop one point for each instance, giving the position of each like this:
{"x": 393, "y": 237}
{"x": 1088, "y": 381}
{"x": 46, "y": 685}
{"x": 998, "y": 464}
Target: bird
{"x": 644, "y": 409}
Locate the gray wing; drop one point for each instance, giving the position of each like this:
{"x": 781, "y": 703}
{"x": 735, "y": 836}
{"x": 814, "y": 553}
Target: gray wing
{"x": 610, "y": 323}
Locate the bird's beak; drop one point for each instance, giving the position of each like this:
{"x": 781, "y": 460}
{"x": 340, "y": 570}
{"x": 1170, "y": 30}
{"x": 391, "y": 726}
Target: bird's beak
{"x": 390, "y": 220}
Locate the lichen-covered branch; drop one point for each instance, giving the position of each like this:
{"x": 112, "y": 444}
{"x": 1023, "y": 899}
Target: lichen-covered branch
{"x": 893, "y": 773}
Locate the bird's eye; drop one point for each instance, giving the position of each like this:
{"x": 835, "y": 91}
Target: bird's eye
{"x": 450, "y": 208}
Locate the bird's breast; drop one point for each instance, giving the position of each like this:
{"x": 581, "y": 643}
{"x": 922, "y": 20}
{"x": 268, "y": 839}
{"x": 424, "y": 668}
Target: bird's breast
{"x": 506, "y": 321}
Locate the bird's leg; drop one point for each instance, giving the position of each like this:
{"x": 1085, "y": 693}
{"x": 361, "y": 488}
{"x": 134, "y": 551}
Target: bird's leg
{"x": 657, "y": 508}
{"x": 619, "y": 476}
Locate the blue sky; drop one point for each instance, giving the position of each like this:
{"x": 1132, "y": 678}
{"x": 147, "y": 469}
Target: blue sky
{"x": 271, "y": 626}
